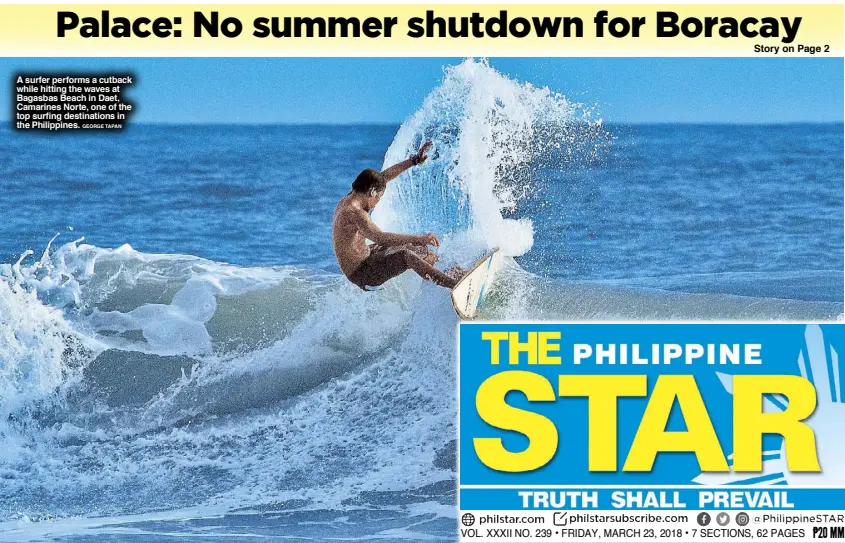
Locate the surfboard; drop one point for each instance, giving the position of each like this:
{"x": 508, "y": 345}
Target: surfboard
{"x": 468, "y": 294}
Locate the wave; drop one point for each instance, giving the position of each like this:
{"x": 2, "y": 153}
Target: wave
{"x": 194, "y": 370}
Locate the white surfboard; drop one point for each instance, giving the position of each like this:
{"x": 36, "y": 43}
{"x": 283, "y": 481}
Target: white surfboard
{"x": 468, "y": 294}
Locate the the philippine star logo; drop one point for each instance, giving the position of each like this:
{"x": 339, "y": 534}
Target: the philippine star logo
{"x": 822, "y": 368}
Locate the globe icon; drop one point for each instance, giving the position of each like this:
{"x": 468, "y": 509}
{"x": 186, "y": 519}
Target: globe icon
{"x": 468, "y": 519}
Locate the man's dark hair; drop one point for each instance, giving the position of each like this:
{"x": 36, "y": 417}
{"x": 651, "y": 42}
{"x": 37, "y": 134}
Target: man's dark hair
{"x": 368, "y": 180}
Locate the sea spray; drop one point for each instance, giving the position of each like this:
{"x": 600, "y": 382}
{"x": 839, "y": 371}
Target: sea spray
{"x": 39, "y": 350}
{"x": 491, "y": 136}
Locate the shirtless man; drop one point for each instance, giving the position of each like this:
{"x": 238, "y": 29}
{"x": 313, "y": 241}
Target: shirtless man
{"x": 391, "y": 254}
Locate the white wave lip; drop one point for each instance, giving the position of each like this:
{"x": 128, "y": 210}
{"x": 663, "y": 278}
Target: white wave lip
{"x": 37, "y": 348}
{"x": 111, "y": 292}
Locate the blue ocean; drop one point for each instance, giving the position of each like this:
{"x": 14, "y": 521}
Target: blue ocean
{"x": 180, "y": 357}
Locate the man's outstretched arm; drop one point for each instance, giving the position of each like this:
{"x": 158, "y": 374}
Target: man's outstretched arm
{"x": 387, "y": 239}
{"x": 392, "y": 172}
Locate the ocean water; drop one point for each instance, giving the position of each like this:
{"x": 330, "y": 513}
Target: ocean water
{"x": 183, "y": 358}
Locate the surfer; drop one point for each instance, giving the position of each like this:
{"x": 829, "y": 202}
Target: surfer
{"x": 390, "y": 254}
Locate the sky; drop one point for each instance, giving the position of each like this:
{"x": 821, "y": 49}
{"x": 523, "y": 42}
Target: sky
{"x": 388, "y": 90}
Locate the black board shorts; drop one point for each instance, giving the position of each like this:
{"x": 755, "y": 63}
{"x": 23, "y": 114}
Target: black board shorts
{"x": 384, "y": 263}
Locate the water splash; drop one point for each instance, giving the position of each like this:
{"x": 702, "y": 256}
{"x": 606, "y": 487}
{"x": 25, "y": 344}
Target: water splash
{"x": 39, "y": 350}
{"x": 491, "y": 135}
